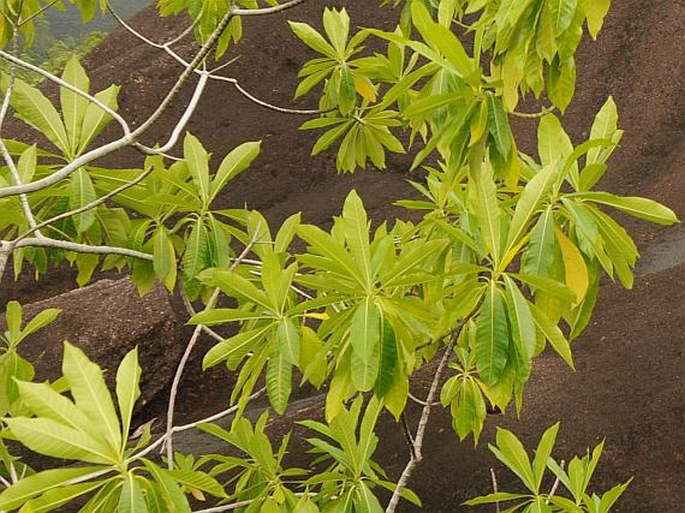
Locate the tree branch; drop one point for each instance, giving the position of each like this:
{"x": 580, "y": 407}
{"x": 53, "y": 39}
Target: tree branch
{"x": 47, "y": 242}
{"x": 416, "y": 455}
{"x": 266, "y": 10}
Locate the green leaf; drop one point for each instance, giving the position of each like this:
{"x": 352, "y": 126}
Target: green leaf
{"x": 554, "y": 144}
{"x": 81, "y": 193}
{"x": 237, "y": 161}
{"x": 278, "y": 381}
{"x": 365, "y": 339}
{"x": 553, "y": 334}
{"x": 170, "y": 492}
{"x": 234, "y": 349}
{"x": 562, "y": 82}
{"x": 528, "y": 204}
{"x": 494, "y": 498}
{"x": 87, "y": 387}
{"x": 40, "y": 321}
{"x": 387, "y": 368}
{"x": 542, "y": 454}
{"x": 289, "y": 341}
{"x": 74, "y": 106}
{"x": 562, "y": 14}
{"x": 57, "y": 497}
{"x": 132, "y": 499}
{"x": 96, "y": 119}
{"x": 441, "y": 38}
{"x": 51, "y": 438}
{"x": 37, "y": 484}
{"x": 164, "y": 258}
{"x": 492, "y": 337}
{"x": 312, "y": 39}
{"x": 522, "y": 326}
{"x": 197, "y": 159}
{"x": 470, "y": 411}
{"x": 510, "y": 451}
{"x": 498, "y": 125}
{"x": 538, "y": 256}
{"x": 356, "y": 228}
{"x": 14, "y": 317}
{"x": 43, "y": 401}
{"x": 127, "y": 388}
{"x": 488, "y": 212}
{"x": 196, "y": 256}
{"x": 235, "y": 285}
{"x": 34, "y": 108}
{"x": 198, "y": 480}
{"x": 641, "y": 208}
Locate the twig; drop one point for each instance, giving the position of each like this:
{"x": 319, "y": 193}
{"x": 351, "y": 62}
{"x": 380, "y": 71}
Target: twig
{"x": 555, "y": 485}
{"x": 533, "y": 115}
{"x": 421, "y": 401}
{"x": 266, "y": 10}
{"x": 47, "y": 242}
{"x": 93, "y": 204}
{"x": 417, "y": 446}
{"x": 192, "y": 425}
{"x": 494, "y": 488}
{"x": 127, "y": 140}
{"x": 191, "y": 311}
{"x": 37, "y": 13}
{"x": 186, "y": 355}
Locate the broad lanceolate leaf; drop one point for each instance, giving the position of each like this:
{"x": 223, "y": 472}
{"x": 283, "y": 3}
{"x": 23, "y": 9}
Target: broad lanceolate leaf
{"x": 356, "y": 227}
{"x": 128, "y": 389}
{"x": 164, "y": 258}
{"x": 87, "y": 386}
{"x": 289, "y": 341}
{"x": 538, "y": 256}
{"x": 365, "y": 340}
{"x": 510, "y": 451}
{"x": 562, "y": 14}
{"x": 595, "y": 11}
{"x": 81, "y": 193}
{"x": 197, "y": 159}
{"x": 51, "y": 438}
{"x": 96, "y": 119}
{"x": 34, "y": 108}
{"x": 492, "y": 337}
{"x": 577, "y": 278}
{"x": 498, "y": 123}
{"x": 131, "y": 499}
{"x": 552, "y": 333}
{"x": 74, "y": 106}
{"x": 488, "y": 211}
{"x": 37, "y": 484}
{"x": 641, "y": 208}
{"x": 532, "y": 197}
{"x": 278, "y": 381}
{"x": 542, "y": 454}
{"x": 387, "y": 371}
{"x": 233, "y": 164}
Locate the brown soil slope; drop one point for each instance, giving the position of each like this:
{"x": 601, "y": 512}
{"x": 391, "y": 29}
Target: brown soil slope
{"x": 630, "y": 364}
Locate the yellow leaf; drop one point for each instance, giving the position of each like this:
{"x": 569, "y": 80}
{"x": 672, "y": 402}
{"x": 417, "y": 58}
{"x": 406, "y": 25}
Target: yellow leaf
{"x": 576, "y": 271}
{"x": 365, "y": 87}
{"x": 316, "y": 315}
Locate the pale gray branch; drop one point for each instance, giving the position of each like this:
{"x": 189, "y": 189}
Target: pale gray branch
{"x": 46, "y": 242}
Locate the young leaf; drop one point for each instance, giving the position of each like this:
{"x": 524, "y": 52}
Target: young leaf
{"x": 127, "y": 388}
{"x": 90, "y": 393}
{"x": 278, "y": 381}
{"x": 233, "y": 164}
{"x": 365, "y": 339}
{"x": 74, "y": 106}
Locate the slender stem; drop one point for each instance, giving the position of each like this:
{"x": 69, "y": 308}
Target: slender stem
{"x": 192, "y": 425}
{"x": 533, "y": 115}
{"x": 37, "y": 13}
{"x": 89, "y": 206}
{"x": 555, "y": 485}
{"x": 495, "y": 488}
{"x": 266, "y": 10}
{"x": 5, "y": 252}
{"x": 416, "y": 448}
{"x": 177, "y": 381}
{"x": 186, "y": 355}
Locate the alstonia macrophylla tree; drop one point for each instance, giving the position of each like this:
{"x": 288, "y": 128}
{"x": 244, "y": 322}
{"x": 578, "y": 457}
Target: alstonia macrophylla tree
{"x": 505, "y": 262}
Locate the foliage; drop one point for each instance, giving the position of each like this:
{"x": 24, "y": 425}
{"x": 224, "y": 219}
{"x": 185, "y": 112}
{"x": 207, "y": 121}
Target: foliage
{"x": 507, "y": 258}
{"x": 575, "y": 479}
